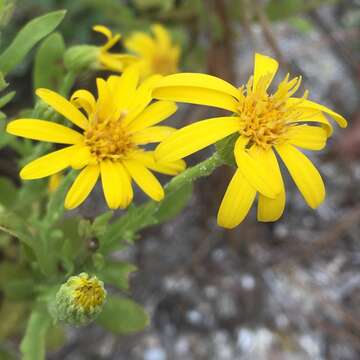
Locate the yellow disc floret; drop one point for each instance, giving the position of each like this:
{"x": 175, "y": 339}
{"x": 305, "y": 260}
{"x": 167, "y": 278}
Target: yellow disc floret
{"x": 265, "y": 117}
{"x": 88, "y": 291}
{"x": 108, "y": 140}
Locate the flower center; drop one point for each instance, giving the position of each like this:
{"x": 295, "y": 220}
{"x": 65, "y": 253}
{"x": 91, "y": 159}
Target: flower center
{"x": 265, "y": 118}
{"x": 108, "y": 140}
{"x": 89, "y": 293}
{"x": 163, "y": 64}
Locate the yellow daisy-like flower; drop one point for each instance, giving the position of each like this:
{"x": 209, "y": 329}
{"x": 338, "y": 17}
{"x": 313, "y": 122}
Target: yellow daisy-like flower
{"x": 265, "y": 122}
{"x": 112, "y": 61}
{"x": 113, "y": 129}
{"x": 157, "y": 55}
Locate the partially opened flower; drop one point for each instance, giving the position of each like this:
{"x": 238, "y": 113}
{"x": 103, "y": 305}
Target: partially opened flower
{"x": 264, "y": 122}
{"x": 112, "y": 61}
{"x": 113, "y": 130}
{"x": 156, "y": 55}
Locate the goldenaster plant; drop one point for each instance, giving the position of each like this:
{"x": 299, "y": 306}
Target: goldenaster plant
{"x": 266, "y": 123}
{"x": 113, "y": 129}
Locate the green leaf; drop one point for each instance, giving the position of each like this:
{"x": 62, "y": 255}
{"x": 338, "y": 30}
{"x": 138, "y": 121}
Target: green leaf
{"x": 48, "y": 68}
{"x": 15, "y": 281}
{"x": 6, "y": 98}
{"x": 33, "y": 344}
{"x": 122, "y": 316}
{"x": 8, "y": 192}
{"x": 27, "y": 37}
{"x": 15, "y": 226}
{"x": 117, "y": 273}
{"x": 101, "y": 223}
{"x": 174, "y": 202}
{"x": 125, "y": 228}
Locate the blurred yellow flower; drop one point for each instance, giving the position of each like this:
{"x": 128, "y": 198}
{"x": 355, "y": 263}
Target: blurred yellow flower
{"x": 157, "y": 55}
{"x": 112, "y": 61}
{"x": 112, "y": 130}
{"x": 265, "y": 122}
{"x": 54, "y": 182}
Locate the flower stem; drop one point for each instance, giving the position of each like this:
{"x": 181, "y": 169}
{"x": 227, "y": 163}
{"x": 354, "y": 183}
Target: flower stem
{"x": 204, "y": 168}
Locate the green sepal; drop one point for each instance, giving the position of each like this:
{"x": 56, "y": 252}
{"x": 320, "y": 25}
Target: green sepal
{"x": 80, "y": 58}
{"x": 225, "y": 149}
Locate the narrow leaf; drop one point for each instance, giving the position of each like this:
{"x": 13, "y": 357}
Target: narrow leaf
{"x": 48, "y": 68}
{"x": 33, "y": 344}
{"x": 27, "y": 37}
{"x": 123, "y": 316}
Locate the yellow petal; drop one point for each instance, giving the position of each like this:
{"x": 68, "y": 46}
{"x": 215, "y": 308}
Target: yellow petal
{"x": 152, "y": 134}
{"x": 196, "y": 80}
{"x": 63, "y": 107}
{"x": 169, "y": 168}
{"x": 116, "y": 184}
{"x": 81, "y": 158}
{"x": 304, "y": 174}
{"x": 49, "y": 164}
{"x": 141, "y": 98}
{"x": 237, "y": 202}
{"x": 195, "y": 137}
{"x": 256, "y": 170}
{"x": 44, "y": 130}
{"x": 103, "y": 30}
{"x": 83, "y": 99}
{"x": 317, "y": 117}
{"x": 82, "y": 186}
{"x": 272, "y": 209}
{"x": 162, "y": 36}
{"x": 264, "y": 66}
{"x": 105, "y": 105}
{"x": 152, "y": 115}
{"x": 145, "y": 179}
{"x": 196, "y": 95}
{"x": 310, "y": 105}
{"x": 126, "y": 87}
{"x": 114, "y": 62}
{"x": 141, "y": 44}
{"x": 307, "y": 137}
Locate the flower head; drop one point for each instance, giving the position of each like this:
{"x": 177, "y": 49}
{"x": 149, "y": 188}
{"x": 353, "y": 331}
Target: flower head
{"x": 79, "y": 300}
{"x": 112, "y": 61}
{"x": 265, "y": 122}
{"x": 113, "y": 129}
{"x": 157, "y": 55}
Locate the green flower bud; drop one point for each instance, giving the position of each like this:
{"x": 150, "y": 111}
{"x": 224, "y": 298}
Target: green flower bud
{"x": 79, "y": 300}
{"x": 82, "y": 57}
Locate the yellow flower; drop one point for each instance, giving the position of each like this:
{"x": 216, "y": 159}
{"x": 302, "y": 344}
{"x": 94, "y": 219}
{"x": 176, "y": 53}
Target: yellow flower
{"x": 265, "y": 122}
{"x": 112, "y": 61}
{"x": 112, "y": 130}
{"x": 157, "y": 55}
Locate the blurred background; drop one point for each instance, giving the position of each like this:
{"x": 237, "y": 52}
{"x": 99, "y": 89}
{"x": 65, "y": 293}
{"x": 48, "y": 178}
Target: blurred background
{"x": 288, "y": 290}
